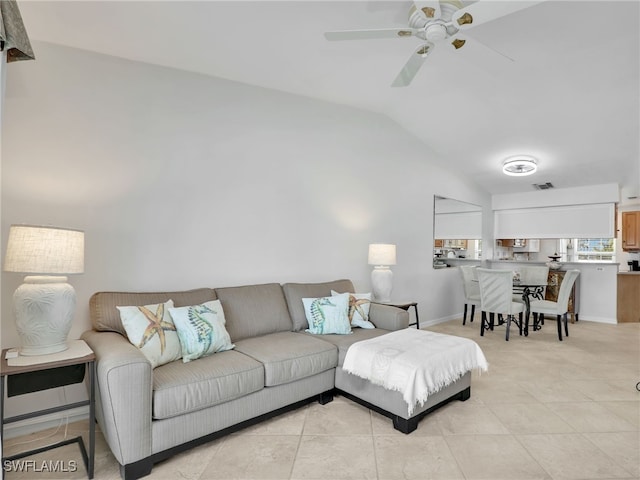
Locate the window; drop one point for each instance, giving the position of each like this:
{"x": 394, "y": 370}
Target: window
{"x": 595, "y": 249}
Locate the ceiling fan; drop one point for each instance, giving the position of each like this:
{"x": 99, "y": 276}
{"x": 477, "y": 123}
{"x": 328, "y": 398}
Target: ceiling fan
{"x": 436, "y": 23}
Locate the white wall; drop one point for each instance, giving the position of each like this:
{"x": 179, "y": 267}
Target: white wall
{"x": 181, "y": 181}
{"x": 598, "y": 292}
{"x": 605, "y": 193}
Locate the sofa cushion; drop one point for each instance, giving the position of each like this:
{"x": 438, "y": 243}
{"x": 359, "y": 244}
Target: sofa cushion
{"x": 180, "y": 388}
{"x": 343, "y": 342}
{"x": 254, "y": 310}
{"x": 289, "y": 356}
{"x": 106, "y": 318}
{"x": 295, "y": 292}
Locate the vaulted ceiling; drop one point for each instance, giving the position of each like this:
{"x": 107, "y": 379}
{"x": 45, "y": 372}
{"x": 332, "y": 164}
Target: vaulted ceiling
{"x": 558, "y": 80}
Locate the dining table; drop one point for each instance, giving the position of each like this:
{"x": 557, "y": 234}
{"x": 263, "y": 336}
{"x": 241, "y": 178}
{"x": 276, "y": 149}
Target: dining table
{"x": 528, "y": 291}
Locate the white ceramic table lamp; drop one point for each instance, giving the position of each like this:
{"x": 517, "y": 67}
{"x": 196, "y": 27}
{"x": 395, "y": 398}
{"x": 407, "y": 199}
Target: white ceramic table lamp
{"x": 381, "y": 255}
{"x": 44, "y": 304}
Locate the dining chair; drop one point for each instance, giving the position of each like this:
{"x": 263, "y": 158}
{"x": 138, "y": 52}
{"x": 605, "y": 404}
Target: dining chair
{"x": 471, "y": 290}
{"x": 496, "y": 287}
{"x": 558, "y": 308}
{"x": 535, "y": 275}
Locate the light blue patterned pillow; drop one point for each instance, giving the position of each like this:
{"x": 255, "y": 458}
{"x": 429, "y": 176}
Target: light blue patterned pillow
{"x": 201, "y": 330}
{"x": 328, "y": 314}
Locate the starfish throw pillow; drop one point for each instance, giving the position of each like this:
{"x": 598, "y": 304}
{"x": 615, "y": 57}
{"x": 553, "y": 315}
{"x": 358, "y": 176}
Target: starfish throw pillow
{"x": 151, "y": 329}
{"x": 359, "y": 304}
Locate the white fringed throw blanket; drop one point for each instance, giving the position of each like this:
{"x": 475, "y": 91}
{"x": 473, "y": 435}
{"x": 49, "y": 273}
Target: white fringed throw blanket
{"x": 416, "y": 363}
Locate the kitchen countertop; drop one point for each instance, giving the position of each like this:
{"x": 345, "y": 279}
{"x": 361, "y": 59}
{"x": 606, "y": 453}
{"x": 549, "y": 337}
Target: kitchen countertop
{"x": 537, "y": 262}
{"x": 629, "y": 273}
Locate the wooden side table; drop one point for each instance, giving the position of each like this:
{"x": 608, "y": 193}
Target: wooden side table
{"x": 405, "y": 306}
{"x": 61, "y": 370}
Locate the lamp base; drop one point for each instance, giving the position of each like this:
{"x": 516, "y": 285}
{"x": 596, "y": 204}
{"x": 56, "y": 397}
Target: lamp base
{"x": 44, "y": 308}
{"x": 382, "y": 283}
{"x": 35, "y": 351}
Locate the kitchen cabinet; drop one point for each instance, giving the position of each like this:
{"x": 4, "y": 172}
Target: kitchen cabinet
{"x": 450, "y": 243}
{"x": 527, "y": 246}
{"x": 520, "y": 245}
{"x": 554, "y": 280}
{"x": 631, "y": 231}
{"x": 628, "y": 299}
{"x": 462, "y": 244}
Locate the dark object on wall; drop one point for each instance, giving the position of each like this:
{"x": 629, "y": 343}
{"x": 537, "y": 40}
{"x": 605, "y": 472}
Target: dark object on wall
{"x": 635, "y": 264}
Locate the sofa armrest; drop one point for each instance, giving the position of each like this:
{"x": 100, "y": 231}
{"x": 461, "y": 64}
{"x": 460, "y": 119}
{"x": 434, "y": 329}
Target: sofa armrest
{"x": 123, "y": 395}
{"x": 388, "y": 317}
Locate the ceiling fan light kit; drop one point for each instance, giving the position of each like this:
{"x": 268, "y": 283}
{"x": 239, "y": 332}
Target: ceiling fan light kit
{"x": 519, "y": 166}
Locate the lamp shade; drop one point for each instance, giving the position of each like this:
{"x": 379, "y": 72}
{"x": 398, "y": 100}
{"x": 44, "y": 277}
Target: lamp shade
{"x": 44, "y": 250}
{"x": 382, "y": 254}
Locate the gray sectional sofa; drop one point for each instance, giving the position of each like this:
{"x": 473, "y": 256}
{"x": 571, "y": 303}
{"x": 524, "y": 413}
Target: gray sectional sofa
{"x": 149, "y": 414}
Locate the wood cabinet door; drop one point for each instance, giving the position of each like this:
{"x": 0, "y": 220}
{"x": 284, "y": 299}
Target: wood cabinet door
{"x": 631, "y": 230}
{"x": 628, "y": 299}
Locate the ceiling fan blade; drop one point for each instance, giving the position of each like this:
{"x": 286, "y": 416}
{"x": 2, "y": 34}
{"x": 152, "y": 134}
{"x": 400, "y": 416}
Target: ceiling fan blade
{"x": 412, "y": 66}
{"x": 369, "y": 34}
{"x": 429, "y": 8}
{"x": 473, "y": 51}
{"x": 485, "y": 11}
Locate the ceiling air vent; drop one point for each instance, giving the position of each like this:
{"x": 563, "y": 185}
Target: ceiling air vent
{"x": 543, "y": 186}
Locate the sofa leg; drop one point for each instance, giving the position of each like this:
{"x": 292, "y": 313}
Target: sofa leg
{"x": 132, "y": 471}
{"x": 325, "y": 397}
{"x": 405, "y": 425}
{"x": 465, "y": 394}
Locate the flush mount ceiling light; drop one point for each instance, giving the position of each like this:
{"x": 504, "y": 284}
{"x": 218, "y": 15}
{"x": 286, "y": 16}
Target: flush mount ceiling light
{"x": 519, "y": 166}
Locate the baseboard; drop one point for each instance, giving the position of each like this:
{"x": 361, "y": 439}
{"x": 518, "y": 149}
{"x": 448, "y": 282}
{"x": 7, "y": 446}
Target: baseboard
{"x": 436, "y": 321}
{"x": 32, "y": 425}
{"x": 611, "y": 321}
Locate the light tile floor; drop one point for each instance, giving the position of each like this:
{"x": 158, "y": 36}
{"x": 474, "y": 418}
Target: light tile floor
{"x": 545, "y": 410}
